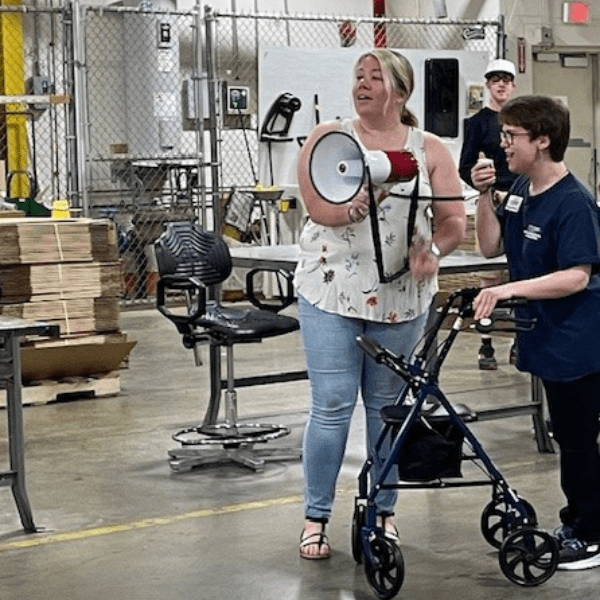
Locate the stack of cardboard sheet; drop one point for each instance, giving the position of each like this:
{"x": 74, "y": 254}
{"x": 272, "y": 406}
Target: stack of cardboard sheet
{"x": 58, "y": 281}
{"x": 37, "y": 240}
{"x": 66, "y": 272}
{"x": 75, "y": 316}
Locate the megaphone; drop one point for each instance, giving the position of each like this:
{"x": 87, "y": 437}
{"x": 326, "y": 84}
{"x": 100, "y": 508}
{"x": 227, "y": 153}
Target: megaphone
{"x": 338, "y": 167}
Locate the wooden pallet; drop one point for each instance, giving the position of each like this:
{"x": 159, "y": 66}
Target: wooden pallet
{"x": 68, "y": 388}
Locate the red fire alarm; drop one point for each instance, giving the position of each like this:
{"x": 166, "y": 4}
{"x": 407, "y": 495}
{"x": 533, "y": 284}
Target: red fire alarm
{"x": 577, "y": 13}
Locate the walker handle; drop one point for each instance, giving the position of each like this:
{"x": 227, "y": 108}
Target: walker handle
{"x": 501, "y": 314}
{"x": 372, "y": 348}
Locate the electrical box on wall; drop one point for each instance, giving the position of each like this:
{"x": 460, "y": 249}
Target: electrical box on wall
{"x": 238, "y": 100}
{"x": 39, "y": 85}
{"x": 164, "y": 34}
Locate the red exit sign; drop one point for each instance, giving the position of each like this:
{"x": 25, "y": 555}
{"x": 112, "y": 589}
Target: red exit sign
{"x": 577, "y": 12}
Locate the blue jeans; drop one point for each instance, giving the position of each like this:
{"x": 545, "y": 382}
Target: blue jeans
{"x": 338, "y": 369}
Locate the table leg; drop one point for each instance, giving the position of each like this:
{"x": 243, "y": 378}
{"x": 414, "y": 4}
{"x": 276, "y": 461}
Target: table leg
{"x": 14, "y": 408}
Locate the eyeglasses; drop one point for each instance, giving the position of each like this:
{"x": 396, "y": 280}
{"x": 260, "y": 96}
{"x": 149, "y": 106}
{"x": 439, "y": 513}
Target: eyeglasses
{"x": 505, "y": 78}
{"x": 509, "y": 136}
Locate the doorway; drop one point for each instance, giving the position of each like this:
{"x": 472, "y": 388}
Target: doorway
{"x": 574, "y": 79}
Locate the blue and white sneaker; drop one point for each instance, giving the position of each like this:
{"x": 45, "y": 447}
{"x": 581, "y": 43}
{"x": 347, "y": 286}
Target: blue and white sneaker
{"x": 576, "y": 555}
{"x": 562, "y": 534}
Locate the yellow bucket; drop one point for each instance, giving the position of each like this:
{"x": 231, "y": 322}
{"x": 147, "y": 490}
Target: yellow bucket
{"x": 60, "y": 209}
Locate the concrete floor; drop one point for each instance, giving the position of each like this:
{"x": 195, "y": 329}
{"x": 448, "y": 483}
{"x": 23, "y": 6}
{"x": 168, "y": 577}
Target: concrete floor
{"x": 117, "y": 523}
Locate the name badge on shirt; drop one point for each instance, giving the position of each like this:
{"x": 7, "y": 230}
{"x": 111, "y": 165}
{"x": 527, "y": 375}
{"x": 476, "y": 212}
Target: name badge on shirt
{"x": 514, "y": 203}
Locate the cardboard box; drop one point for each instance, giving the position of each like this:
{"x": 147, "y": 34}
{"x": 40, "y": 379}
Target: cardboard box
{"x": 72, "y": 360}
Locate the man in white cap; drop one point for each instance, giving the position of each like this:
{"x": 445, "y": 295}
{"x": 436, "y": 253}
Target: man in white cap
{"x": 482, "y": 139}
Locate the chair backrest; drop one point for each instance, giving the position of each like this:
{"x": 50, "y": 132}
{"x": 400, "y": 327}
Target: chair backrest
{"x": 186, "y": 250}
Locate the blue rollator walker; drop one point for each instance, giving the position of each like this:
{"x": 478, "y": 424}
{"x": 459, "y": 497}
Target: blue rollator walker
{"x": 428, "y": 438}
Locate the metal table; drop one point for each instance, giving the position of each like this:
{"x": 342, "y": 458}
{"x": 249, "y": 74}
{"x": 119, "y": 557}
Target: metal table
{"x": 11, "y": 330}
{"x": 286, "y": 256}
{"x": 459, "y": 261}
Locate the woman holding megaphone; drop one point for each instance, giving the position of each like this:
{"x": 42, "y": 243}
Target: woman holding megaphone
{"x": 344, "y": 292}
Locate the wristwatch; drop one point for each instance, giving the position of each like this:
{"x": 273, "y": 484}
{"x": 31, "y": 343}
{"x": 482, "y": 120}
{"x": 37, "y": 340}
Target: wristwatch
{"x": 435, "y": 250}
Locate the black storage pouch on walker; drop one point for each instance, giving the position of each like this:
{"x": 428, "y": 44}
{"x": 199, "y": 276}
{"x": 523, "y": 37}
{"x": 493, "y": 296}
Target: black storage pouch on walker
{"x": 431, "y": 450}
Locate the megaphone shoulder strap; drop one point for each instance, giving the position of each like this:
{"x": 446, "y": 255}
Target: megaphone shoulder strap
{"x": 410, "y": 226}
{"x": 412, "y": 214}
{"x": 375, "y": 229}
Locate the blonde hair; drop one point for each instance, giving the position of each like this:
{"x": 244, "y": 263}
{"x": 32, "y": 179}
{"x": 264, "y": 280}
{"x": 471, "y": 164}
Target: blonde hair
{"x": 398, "y": 76}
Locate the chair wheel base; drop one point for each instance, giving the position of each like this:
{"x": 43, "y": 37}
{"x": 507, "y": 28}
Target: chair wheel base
{"x": 224, "y": 442}
{"x": 187, "y": 458}
{"x": 230, "y": 435}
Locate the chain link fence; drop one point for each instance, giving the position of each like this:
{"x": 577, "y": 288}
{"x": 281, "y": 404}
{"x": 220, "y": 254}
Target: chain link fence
{"x": 238, "y": 38}
{"x": 234, "y": 43}
{"x": 35, "y": 133}
{"x": 143, "y": 131}
{"x": 132, "y": 122}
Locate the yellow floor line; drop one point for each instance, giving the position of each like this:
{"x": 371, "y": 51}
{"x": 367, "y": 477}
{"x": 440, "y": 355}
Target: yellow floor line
{"x": 42, "y": 539}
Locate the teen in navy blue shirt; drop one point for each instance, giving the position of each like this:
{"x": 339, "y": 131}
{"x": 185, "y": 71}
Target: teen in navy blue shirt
{"x": 549, "y": 228}
{"x": 553, "y": 231}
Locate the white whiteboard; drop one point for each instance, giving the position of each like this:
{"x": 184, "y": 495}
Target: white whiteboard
{"x": 327, "y": 73}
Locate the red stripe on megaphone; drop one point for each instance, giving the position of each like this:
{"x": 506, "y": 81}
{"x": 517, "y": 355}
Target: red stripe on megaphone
{"x": 404, "y": 165}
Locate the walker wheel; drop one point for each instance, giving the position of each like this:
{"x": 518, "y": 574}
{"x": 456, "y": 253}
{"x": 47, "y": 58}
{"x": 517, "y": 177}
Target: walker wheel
{"x": 529, "y": 556}
{"x": 498, "y": 520}
{"x": 358, "y": 522}
{"x": 384, "y": 568}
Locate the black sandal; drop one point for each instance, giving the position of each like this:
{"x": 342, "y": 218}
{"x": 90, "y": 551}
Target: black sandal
{"x": 318, "y": 539}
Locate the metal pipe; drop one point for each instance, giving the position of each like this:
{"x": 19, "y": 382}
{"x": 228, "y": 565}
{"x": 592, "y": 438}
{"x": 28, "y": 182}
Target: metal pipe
{"x": 69, "y": 59}
{"x": 501, "y": 39}
{"x": 338, "y": 18}
{"x": 213, "y": 99}
{"x": 80, "y": 107}
{"x": 197, "y": 81}
{"x": 54, "y": 135}
{"x": 234, "y": 40}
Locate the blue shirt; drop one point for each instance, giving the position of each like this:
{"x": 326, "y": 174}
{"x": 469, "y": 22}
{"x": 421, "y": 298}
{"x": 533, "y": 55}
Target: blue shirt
{"x": 555, "y": 230}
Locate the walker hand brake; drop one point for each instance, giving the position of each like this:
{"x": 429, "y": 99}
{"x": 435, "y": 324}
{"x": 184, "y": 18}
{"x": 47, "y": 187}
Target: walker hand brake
{"x": 372, "y": 348}
{"x": 384, "y": 356}
{"x": 495, "y": 323}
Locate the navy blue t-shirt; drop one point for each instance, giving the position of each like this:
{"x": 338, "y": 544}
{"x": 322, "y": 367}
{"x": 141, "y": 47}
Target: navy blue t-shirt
{"x": 555, "y": 230}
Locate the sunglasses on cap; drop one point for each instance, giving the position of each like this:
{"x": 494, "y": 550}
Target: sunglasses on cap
{"x": 496, "y": 77}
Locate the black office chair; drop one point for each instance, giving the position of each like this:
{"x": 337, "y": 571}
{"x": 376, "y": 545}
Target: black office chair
{"x": 191, "y": 262}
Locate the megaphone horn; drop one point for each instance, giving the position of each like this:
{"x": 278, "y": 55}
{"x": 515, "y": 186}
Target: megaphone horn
{"x": 337, "y": 166}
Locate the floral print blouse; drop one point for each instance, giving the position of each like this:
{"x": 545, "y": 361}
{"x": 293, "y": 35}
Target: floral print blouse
{"x": 337, "y": 271}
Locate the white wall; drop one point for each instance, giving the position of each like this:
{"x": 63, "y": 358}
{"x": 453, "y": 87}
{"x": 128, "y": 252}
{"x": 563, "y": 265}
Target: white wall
{"x": 525, "y": 19}
{"x": 305, "y": 72}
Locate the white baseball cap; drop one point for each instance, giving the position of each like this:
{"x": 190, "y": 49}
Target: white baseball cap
{"x": 500, "y": 65}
